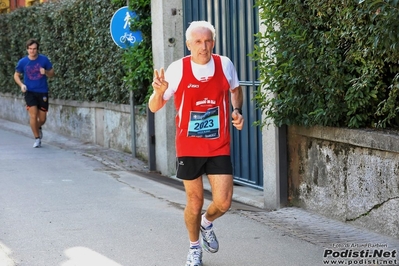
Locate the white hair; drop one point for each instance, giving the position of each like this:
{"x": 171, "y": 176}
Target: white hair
{"x": 200, "y": 24}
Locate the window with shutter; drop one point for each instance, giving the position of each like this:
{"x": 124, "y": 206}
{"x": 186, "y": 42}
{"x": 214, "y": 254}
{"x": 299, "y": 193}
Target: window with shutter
{"x": 4, "y": 6}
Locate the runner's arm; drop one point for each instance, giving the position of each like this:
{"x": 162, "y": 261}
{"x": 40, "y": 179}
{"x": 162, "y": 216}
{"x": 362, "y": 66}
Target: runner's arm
{"x": 236, "y": 101}
{"x": 50, "y": 73}
{"x": 17, "y": 78}
{"x": 156, "y": 102}
{"x": 236, "y": 97}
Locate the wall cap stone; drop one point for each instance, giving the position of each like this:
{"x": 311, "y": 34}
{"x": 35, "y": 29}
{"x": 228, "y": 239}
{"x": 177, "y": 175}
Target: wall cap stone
{"x": 379, "y": 139}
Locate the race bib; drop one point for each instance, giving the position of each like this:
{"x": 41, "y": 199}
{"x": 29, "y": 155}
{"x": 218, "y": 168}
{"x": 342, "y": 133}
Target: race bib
{"x": 204, "y": 124}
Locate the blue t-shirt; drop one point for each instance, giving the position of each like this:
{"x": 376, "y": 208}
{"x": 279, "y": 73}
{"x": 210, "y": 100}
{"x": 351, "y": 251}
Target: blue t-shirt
{"x": 33, "y": 80}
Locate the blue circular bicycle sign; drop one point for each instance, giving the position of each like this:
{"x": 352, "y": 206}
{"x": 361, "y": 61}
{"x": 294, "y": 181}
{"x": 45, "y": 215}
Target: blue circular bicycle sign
{"x": 120, "y": 28}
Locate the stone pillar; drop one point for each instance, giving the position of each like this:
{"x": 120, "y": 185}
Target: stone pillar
{"x": 275, "y": 165}
{"x": 168, "y": 46}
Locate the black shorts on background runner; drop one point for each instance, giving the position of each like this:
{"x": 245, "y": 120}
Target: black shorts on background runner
{"x": 37, "y": 99}
{"x": 189, "y": 168}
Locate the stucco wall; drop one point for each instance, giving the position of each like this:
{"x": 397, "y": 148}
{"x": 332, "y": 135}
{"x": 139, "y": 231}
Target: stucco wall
{"x": 106, "y": 124}
{"x": 348, "y": 175}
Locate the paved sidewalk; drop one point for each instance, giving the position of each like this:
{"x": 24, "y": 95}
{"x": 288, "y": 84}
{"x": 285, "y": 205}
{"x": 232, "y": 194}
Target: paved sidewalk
{"x": 292, "y": 222}
{"x": 319, "y": 230}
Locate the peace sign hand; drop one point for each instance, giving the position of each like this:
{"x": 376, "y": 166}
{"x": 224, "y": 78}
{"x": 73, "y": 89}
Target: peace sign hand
{"x": 159, "y": 83}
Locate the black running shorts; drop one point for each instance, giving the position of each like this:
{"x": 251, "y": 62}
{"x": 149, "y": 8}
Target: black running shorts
{"x": 189, "y": 168}
{"x": 37, "y": 99}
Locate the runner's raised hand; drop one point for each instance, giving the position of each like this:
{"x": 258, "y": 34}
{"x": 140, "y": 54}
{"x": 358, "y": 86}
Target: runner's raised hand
{"x": 159, "y": 83}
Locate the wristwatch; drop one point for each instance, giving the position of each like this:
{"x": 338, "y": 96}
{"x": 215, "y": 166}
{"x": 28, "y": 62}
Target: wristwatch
{"x": 239, "y": 110}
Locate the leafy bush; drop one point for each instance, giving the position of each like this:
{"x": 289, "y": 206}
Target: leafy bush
{"x": 75, "y": 35}
{"x": 329, "y": 63}
{"x": 137, "y": 59}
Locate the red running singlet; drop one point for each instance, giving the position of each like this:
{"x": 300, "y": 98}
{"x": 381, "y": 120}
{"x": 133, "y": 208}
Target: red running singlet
{"x": 203, "y": 113}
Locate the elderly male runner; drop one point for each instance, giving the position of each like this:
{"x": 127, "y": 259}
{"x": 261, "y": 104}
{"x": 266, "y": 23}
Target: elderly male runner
{"x": 202, "y": 85}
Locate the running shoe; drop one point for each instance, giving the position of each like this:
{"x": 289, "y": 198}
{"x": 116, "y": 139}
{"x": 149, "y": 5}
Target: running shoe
{"x": 194, "y": 257}
{"x": 37, "y": 144}
{"x": 209, "y": 240}
{"x": 40, "y": 133}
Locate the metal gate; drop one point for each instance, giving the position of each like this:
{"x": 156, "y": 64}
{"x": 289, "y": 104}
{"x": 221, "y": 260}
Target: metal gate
{"x": 236, "y": 22}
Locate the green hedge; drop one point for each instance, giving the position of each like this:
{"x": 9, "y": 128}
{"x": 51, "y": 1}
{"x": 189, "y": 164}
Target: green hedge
{"x": 75, "y": 36}
{"x": 329, "y": 63}
{"x": 138, "y": 59}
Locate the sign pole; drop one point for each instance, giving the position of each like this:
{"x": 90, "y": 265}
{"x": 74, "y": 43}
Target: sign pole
{"x": 133, "y": 123}
{"x": 125, "y": 38}
{"x": 132, "y": 118}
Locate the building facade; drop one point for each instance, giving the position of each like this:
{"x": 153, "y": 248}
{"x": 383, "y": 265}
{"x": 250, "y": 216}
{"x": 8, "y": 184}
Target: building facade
{"x": 9, "y": 5}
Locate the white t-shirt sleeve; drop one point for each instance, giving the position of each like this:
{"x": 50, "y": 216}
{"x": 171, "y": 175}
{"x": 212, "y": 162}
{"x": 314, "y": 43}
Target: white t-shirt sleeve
{"x": 230, "y": 72}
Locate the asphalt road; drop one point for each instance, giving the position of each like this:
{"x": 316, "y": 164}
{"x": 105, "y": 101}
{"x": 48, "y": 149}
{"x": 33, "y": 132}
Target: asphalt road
{"x": 75, "y": 204}
{"x": 58, "y": 207}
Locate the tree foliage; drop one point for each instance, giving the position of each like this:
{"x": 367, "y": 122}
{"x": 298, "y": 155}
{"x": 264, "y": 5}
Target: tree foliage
{"x": 75, "y": 35}
{"x": 137, "y": 59}
{"x": 329, "y": 63}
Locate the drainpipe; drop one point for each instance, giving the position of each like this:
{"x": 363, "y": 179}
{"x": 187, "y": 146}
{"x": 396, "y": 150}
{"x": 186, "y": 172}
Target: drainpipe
{"x": 282, "y": 160}
{"x": 151, "y": 140}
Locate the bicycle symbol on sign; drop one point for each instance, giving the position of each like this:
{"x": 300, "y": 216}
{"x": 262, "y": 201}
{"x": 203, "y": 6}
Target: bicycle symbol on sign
{"x": 128, "y": 37}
